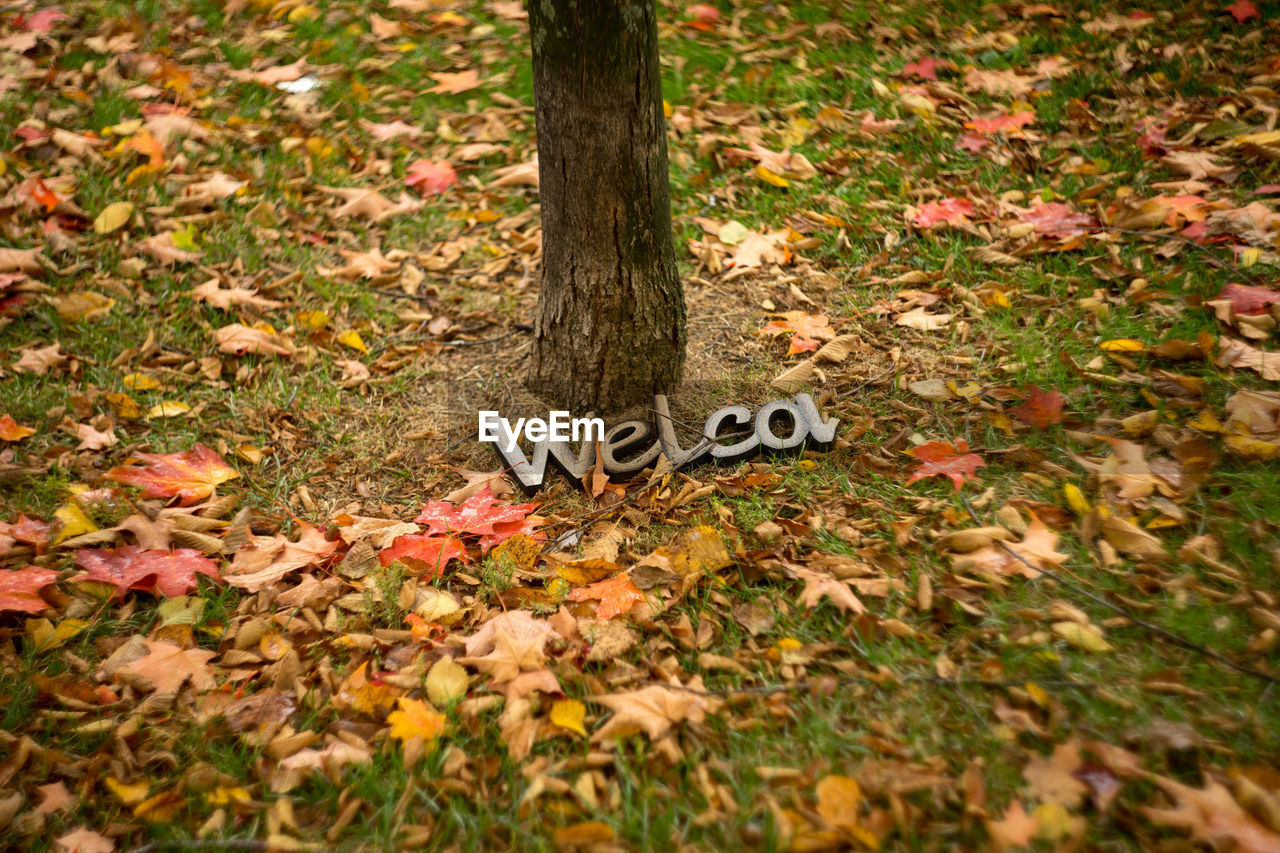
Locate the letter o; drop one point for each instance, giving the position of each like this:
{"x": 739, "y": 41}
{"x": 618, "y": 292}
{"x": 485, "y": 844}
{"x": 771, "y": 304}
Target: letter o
{"x": 799, "y": 430}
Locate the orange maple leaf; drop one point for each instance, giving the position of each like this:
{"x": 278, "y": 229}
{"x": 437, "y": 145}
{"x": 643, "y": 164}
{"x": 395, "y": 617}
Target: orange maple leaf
{"x": 190, "y": 475}
{"x": 616, "y": 594}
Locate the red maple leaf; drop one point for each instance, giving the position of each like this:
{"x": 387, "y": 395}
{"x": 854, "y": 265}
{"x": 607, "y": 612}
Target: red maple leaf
{"x": 429, "y": 553}
{"x": 944, "y": 459}
{"x": 1009, "y": 121}
{"x": 480, "y": 515}
{"x": 190, "y": 475}
{"x": 926, "y": 68}
{"x": 42, "y": 21}
{"x": 705, "y": 17}
{"x": 1248, "y": 299}
{"x": 971, "y": 142}
{"x": 809, "y": 330}
{"x": 1243, "y": 10}
{"x": 616, "y": 594}
{"x": 1041, "y": 408}
{"x": 1057, "y": 220}
{"x": 167, "y": 573}
{"x": 32, "y": 531}
{"x": 430, "y": 177}
{"x": 20, "y": 590}
{"x": 953, "y": 211}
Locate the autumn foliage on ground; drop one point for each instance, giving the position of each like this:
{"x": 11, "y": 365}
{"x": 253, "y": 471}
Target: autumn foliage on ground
{"x": 251, "y": 595}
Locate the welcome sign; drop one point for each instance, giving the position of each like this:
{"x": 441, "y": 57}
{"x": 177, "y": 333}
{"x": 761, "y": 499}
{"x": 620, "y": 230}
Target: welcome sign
{"x": 630, "y": 447}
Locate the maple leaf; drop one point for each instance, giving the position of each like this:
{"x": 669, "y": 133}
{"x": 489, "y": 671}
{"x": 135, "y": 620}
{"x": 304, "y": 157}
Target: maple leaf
{"x": 479, "y": 515}
{"x": 430, "y": 553}
{"x": 38, "y": 360}
{"x": 430, "y": 177}
{"x": 808, "y": 330}
{"x": 1057, "y": 220}
{"x": 1006, "y": 122}
{"x": 1053, "y": 779}
{"x": 189, "y": 475}
{"x": 1242, "y": 10}
{"x": 1015, "y": 830}
{"x": 386, "y": 131}
{"x": 925, "y": 68}
{"x": 239, "y": 339}
{"x": 971, "y": 142}
{"x": 219, "y": 186}
{"x": 1213, "y": 816}
{"x": 509, "y": 656}
{"x": 41, "y": 21}
{"x": 617, "y": 594}
{"x": 167, "y": 573}
{"x": 519, "y": 624}
{"x": 451, "y": 83}
{"x": 83, "y": 839}
{"x": 370, "y": 204}
{"x": 1038, "y": 547}
{"x": 1196, "y": 165}
{"x": 1041, "y": 408}
{"x": 941, "y": 458}
{"x": 651, "y": 710}
{"x": 19, "y": 590}
{"x": 168, "y": 666}
{"x": 1248, "y": 300}
{"x": 264, "y": 560}
{"x": 1006, "y": 82}
{"x": 952, "y": 211}
{"x": 11, "y": 430}
{"x": 92, "y": 438}
{"x": 817, "y": 585}
{"x": 414, "y": 718}
{"x": 225, "y": 298}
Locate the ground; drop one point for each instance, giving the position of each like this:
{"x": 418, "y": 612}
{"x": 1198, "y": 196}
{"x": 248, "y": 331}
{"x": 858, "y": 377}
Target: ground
{"x": 261, "y": 588}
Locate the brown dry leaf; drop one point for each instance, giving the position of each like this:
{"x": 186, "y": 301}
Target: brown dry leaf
{"x": 20, "y": 260}
{"x": 1234, "y": 353}
{"x": 38, "y": 360}
{"x": 1197, "y": 165}
{"x": 227, "y": 298}
{"x": 239, "y": 339}
{"x": 817, "y": 585}
{"x": 264, "y": 560}
{"x": 1127, "y": 470}
{"x": 95, "y": 439}
{"x": 370, "y": 204}
{"x": 84, "y": 840}
{"x": 1214, "y": 817}
{"x": 919, "y": 318}
{"x": 84, "y": 306}
{"x": 1051, "y": 779}
{"x": 651, "y": 710}
{"x": 1038, "y": 547}
{"x": 792, "y": 380}
{"x": 757, "y": 249}
{"x": 509, "y": 656}
{"x": 1257, "y": 410}
{"x": 1131, "y": 540}
{"x": 168, "y": 666}
{"x": 452, "y": 83}
{"x": 1015, "y": 830}
{"x": 162, "y": 248}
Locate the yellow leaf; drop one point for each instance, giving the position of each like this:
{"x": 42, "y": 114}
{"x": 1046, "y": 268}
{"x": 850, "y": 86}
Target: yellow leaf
{"x": 771, "y": 177}
{"x": 123, "y": 405}
{"x": 73, "y": 522}
{"x": 85, "y": 305}
{"x": 1122, "y": 345}
{"x": 168, "y": 409}
{"x": 1248, "y": 447}
{"x": 113, "y": 216}
{"x": 1087, "y": 637}
{"x": 185, "y": 239}
{"x": 141, "y": 173}
{"x": 567, "y": 714}
{"x": 968, "y": 391}
{"x": 313, "y": 320}
{"x": 446, "y": 682}
{"x": 249, "y": 453}
{"x": 47, "y": 636}
{"x": 351, "y": 338}
{"x": 130, "y": 795}
{"x": 224, "y": 796}
{"x": 140, "y": 382}
{"x": 415, "y": 718}
{"x": 1206, "y": 421}
{"x": 1250, "y": 256}
{"x": 1076, "y": 499}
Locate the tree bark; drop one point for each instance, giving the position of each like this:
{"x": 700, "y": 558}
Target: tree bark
{"x": 610, "y": 329}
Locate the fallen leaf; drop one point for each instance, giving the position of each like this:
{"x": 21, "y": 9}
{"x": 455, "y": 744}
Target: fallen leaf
{"x": 430, "y": 177}
{"x": 19, "y": 590}
{"x": 479, "y": 515}
{"x": 940, "y": 458}
{"x": 113, "y": 217}
{"x": 238, "y": 339}
{"x": 652, "y": 710}
{"x": 414, "y": 718}
{"x": 1041, "y": 409}
{"x": 11, "y": 430}
{"x": 428, "y": 553}
{"x": 617, "y": 595}
{"x": 949, "y": 211}
{"x": 189, "y": 475}
{"x": 167, "y": 573}
{"x": 568, "y": 714}
{"x": 168, "y": 666}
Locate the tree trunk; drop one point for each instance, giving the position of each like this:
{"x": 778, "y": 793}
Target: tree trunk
{"x": 610, "y": 330}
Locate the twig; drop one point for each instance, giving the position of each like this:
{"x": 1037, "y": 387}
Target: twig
{"x": 1171, "y": 636}
{"x": 866, "y": 679}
